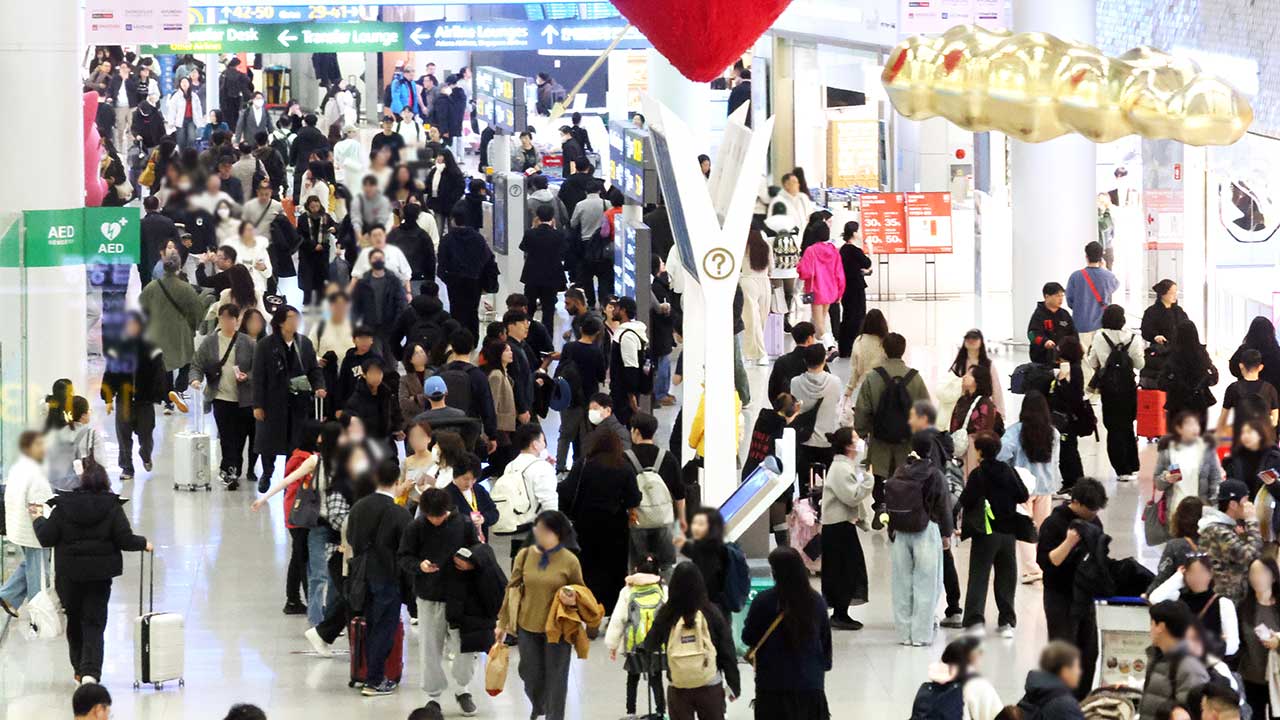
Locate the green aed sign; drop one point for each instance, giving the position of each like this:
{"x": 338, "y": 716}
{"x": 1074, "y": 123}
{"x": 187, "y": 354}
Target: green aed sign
{"x": 78, "y": 236}
{"x": 288, "y": 38}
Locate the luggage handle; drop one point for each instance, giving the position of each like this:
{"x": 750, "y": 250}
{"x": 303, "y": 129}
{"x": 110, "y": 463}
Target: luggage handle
{"x": 142, "y": 568}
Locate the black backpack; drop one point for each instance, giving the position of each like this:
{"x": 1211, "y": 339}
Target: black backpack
{"x": 647, "y": 363}
{"x": 568, "y": 370}
{"x": 904, "y": 501}
{"x": 457, "y": 381}
{"x": 890, "y": 422}
{"x": 939, "y": 701}
{"x": 1116, "y": 375}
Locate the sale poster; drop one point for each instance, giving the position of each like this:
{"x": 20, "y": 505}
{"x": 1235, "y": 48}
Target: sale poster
{"x": 928, "y": 218}
{"x": 883, "y": 222}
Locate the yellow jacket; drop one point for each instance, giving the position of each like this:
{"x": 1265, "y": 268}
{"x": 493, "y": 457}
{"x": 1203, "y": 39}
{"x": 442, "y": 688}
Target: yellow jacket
{"x": 697, "y": 430}
{"x": 567, "y": 623}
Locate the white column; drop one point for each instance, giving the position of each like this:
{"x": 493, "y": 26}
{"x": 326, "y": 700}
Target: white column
{"x": 1053, "y": 182}
{"x": 692, "y": 103}
{"x": 43, "y": 40}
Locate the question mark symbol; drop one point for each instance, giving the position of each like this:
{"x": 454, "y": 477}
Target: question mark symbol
{"x": 720, "y": 261}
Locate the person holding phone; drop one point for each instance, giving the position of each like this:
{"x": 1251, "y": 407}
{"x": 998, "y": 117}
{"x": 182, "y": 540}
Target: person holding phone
{"x": 1255, "y": 459}
{"x": 1187, "y": 463}
{"x": 1259, "y": 633}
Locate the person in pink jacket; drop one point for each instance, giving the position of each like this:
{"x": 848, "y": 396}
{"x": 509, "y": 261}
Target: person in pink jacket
{"x": 823, "y": 277}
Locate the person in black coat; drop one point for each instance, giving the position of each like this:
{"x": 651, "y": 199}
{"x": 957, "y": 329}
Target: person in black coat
{"x": 1160, "y": 323}
{"x": 445, "y": 186}
{"x": 416, "y": 245}
{"x": 598, "y": 495}
{"x": 474, "y": 596}
{"x": 156, "y": 231}
{"x": 471, "y": 501}
{"x": 457, "y": 105}
{"x": 378, "y": 298}
{"x": 853, "y": 305}
{"x": 741, "y": 92}
{"x": 1050, "y": 323}
{"x": 285, "y": 376}
{"x": 283, "y": 243}
{"x": 375, "y": 403}
{"x": 309, "y": 141}
{"x": 464, "y": 257}
{"x": 1188, "y": 374}
{"x": 316, "y": 229}
{"x": 996, "y": 485}
{"x": 543, "y": 274}
{"x": 575, "y": 158}
{"x": 134, "y": 380}
{"x": 87, "y": 529}
{"x": 1261, "y": 337}
{"x": 792, "y": 364}
{"x": 577, "y": 186}
{"x": 472, "y": 204}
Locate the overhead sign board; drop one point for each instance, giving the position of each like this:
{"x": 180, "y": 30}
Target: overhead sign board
{"x": 931, "y": 17}
{"x": 304, "y": 3}
{"x": 570, "y": 34}
{"x": 77, "y": 236}
{"x": 255, "y": 13}
{"x": 289, "y": 38}
{"x": 132, "y": 22}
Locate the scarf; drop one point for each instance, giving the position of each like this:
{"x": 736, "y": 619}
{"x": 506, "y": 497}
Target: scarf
{"x": 545, "y": 559}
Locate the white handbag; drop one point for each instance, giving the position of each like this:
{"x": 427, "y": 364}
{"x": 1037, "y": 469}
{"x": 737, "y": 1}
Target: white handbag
{"x": 45, "y": 613}
{"x": 960, "y": 437}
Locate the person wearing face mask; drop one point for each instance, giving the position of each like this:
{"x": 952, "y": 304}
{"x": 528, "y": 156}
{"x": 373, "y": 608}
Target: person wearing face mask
{"x": 846, "y": 491}
{"x": 445, "y": 186}
{"x": 378, "y": 295}
{"x": 228, "y": 221}
{"x": 253, "y": 120}
{"x": 601, "y": 418}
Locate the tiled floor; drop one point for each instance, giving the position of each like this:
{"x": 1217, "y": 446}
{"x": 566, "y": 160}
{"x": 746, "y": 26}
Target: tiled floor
{"x": 223, "y": 568}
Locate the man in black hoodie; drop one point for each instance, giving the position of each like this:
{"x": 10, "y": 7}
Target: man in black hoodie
{"x": 792, "y": 364}
{"x": 1049, "y": 689}
{"x": 1050, "y": 323}
{"x": 463, "y": 257}
{"x": 416, "y": 244}
{"x": 351, "y": 370}
{"x": 468, "y": 387}
{"x": 426, "y": 555}
{"x": 375, "y": 404}
{"x": 425, "y": 321}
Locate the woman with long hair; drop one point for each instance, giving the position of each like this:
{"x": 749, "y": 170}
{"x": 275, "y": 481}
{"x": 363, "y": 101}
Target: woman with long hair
{"x": 253, "y": 324}
{"x": 299, "y": 471}
{"x": 419, "y": 464}
{"x": 975, "y": 412}
{"x": 1253, "y": 454}
{"x": 251, "y": 252}
{"x": 705, "y": 549}
{"x": 973, "y": 353}
{"x": 445, "y": 187}
{"x": 496, "y": 357}
{"x": 240, "y": 291}
{"x": 845, "y": 502}
{"x": 184, "y": 114}
{"x": 598, "y": 495}
{"x": 1187, "y": 464}
{"x": 685, "y": 614}
{"x": 823, "y": 275}
{"x": 791, "y": 660}
{"x": 868, "y": 350}
{"x": 1188, "y": 375}
{"x": 1031, "y": 445}
{"x": 541, "y": 574}
{"x": 1074, "y": 416}
{"x": 1258, "y": 609}
{"x": 88, "y": 530}
{"x": 853, "y": 304}
{"x": 72, "y": 447}
{"x": 416, "y": 370}
{"x": 1118, "y": 389}
{"x": 756, "y": 297}
{"x": 1261, "y": 337}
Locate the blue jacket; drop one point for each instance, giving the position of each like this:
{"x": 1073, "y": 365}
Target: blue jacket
{"x": 1084, "y": 305}
{"x": 404, "y": 93}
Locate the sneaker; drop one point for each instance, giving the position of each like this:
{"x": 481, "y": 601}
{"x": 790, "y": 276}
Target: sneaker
{"x": 386, "y": 687}
{"x": 1005, "y": 631}
{"x": 953, "y": 621}
{"x": 146, "y": 465}
{"x": 433, "y": 709}
{"x": 264, "y": 484}
{"x": 8, "y": 609}
{"x": 466, "y": 704}
{"x": 318, "y": 644}
{"x": 126, "y": 475}
{"x": 845, "y": 624}
{"x": 88, "y": 680}
{"x": 178, "y": 401}
{"x": 233, "y": 485}
{"x": 293, "y": 607}
{"x": 976, "y": 631}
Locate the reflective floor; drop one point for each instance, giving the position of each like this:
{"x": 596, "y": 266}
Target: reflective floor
{"x": 224, "y": 567}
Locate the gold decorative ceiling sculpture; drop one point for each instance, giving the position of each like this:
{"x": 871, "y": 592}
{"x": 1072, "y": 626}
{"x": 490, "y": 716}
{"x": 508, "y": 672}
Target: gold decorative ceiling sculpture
{"x": 1036, "y": 87}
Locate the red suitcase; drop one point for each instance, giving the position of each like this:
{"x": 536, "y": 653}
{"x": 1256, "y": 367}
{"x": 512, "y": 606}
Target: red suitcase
{"x": 357, "y": 634}
{"x": 1151, "y": 418}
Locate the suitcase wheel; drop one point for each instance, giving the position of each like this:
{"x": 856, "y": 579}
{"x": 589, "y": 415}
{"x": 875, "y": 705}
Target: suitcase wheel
{"x": 175, "y": 486}
{"x": 137, "y": 685}
{"x": 182, "y": 683}
{"x": 158, "y": 686}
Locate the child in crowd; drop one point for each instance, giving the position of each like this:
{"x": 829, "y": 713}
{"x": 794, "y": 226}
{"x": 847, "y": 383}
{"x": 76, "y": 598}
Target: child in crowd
{"x": 629, "y": 624}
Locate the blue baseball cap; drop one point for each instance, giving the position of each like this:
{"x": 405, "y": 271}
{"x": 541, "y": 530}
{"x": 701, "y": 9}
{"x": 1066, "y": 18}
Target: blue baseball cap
{"x": 434, "y": 387}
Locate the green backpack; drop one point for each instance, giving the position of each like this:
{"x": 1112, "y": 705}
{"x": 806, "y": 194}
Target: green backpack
{"x": 641, "y": 609}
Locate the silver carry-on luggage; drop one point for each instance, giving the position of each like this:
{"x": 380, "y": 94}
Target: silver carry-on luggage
{"x": 159, "y": 643}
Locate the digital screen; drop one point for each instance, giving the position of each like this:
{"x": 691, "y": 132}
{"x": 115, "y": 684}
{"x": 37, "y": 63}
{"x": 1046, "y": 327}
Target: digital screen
{"x": 754, "y": 483}
{"x": 675, "y": 208}
{"x": 624, "y": 258}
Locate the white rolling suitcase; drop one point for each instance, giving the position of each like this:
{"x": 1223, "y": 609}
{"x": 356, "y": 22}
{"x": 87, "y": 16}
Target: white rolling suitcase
{"x": 159, "y": 643}
{"x": 193, "y": 459}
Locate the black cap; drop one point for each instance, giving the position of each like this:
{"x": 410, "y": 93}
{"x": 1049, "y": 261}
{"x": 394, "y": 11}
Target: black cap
{"x": 1232, "y": 490}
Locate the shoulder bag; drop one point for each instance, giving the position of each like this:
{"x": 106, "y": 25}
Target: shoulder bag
{"x": 1155, "y": 520}
{"x": 750, "y": 657}
{"x": 182, "y": 313}
{"x": 305, "y": 511}
{"x": 213, "y": 376}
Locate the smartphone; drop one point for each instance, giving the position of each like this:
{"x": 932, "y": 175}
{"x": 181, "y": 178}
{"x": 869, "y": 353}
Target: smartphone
{"x": 1263, "y": 632}
{"x": 1175, "y": 473}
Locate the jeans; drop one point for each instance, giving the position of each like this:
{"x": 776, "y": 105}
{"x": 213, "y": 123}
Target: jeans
{"x": 186, "y": 135}
{"x": 86, "y": 606}
{"x": 917, "y": 583}
{"x": 296, "y": 575}
{"x": 437, "y": 642}
{"x": 544, "y": 670}
{"x": 321, "y": 597}
{"x": 987, "y": 551}
{"x": 662, "y": 378}
{"x": 235, "y": 426}
{"x": 131, "y": 418}
{"x": 24, "y": 583}
{"x": 573, "y": 422}
{"x": 382, "y": 614}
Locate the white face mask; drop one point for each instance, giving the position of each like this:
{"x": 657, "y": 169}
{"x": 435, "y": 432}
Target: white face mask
{"x": 595, "y": 416}
{"x": 224, "y": 213}
{"x": 359, "y": 466}
{"x": 259, "y": 102}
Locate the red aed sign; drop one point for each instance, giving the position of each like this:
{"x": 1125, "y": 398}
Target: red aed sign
{"x": 884, "y": 221}
{"x": 928, "y": 222}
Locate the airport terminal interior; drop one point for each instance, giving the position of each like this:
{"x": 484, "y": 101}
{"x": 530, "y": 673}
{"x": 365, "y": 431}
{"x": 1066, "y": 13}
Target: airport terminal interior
{"x": 913, "y": 298}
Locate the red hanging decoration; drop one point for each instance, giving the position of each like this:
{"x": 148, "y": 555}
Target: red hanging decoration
{"x": 701, "y": 37}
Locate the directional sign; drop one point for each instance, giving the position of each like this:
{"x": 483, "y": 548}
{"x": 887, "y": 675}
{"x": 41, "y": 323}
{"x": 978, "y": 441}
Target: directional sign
{"x": 289, "y": 38}
{"x": 521, "y": 35}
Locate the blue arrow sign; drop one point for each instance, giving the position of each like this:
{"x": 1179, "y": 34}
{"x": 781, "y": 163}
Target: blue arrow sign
{"x": 521, "y": 35}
